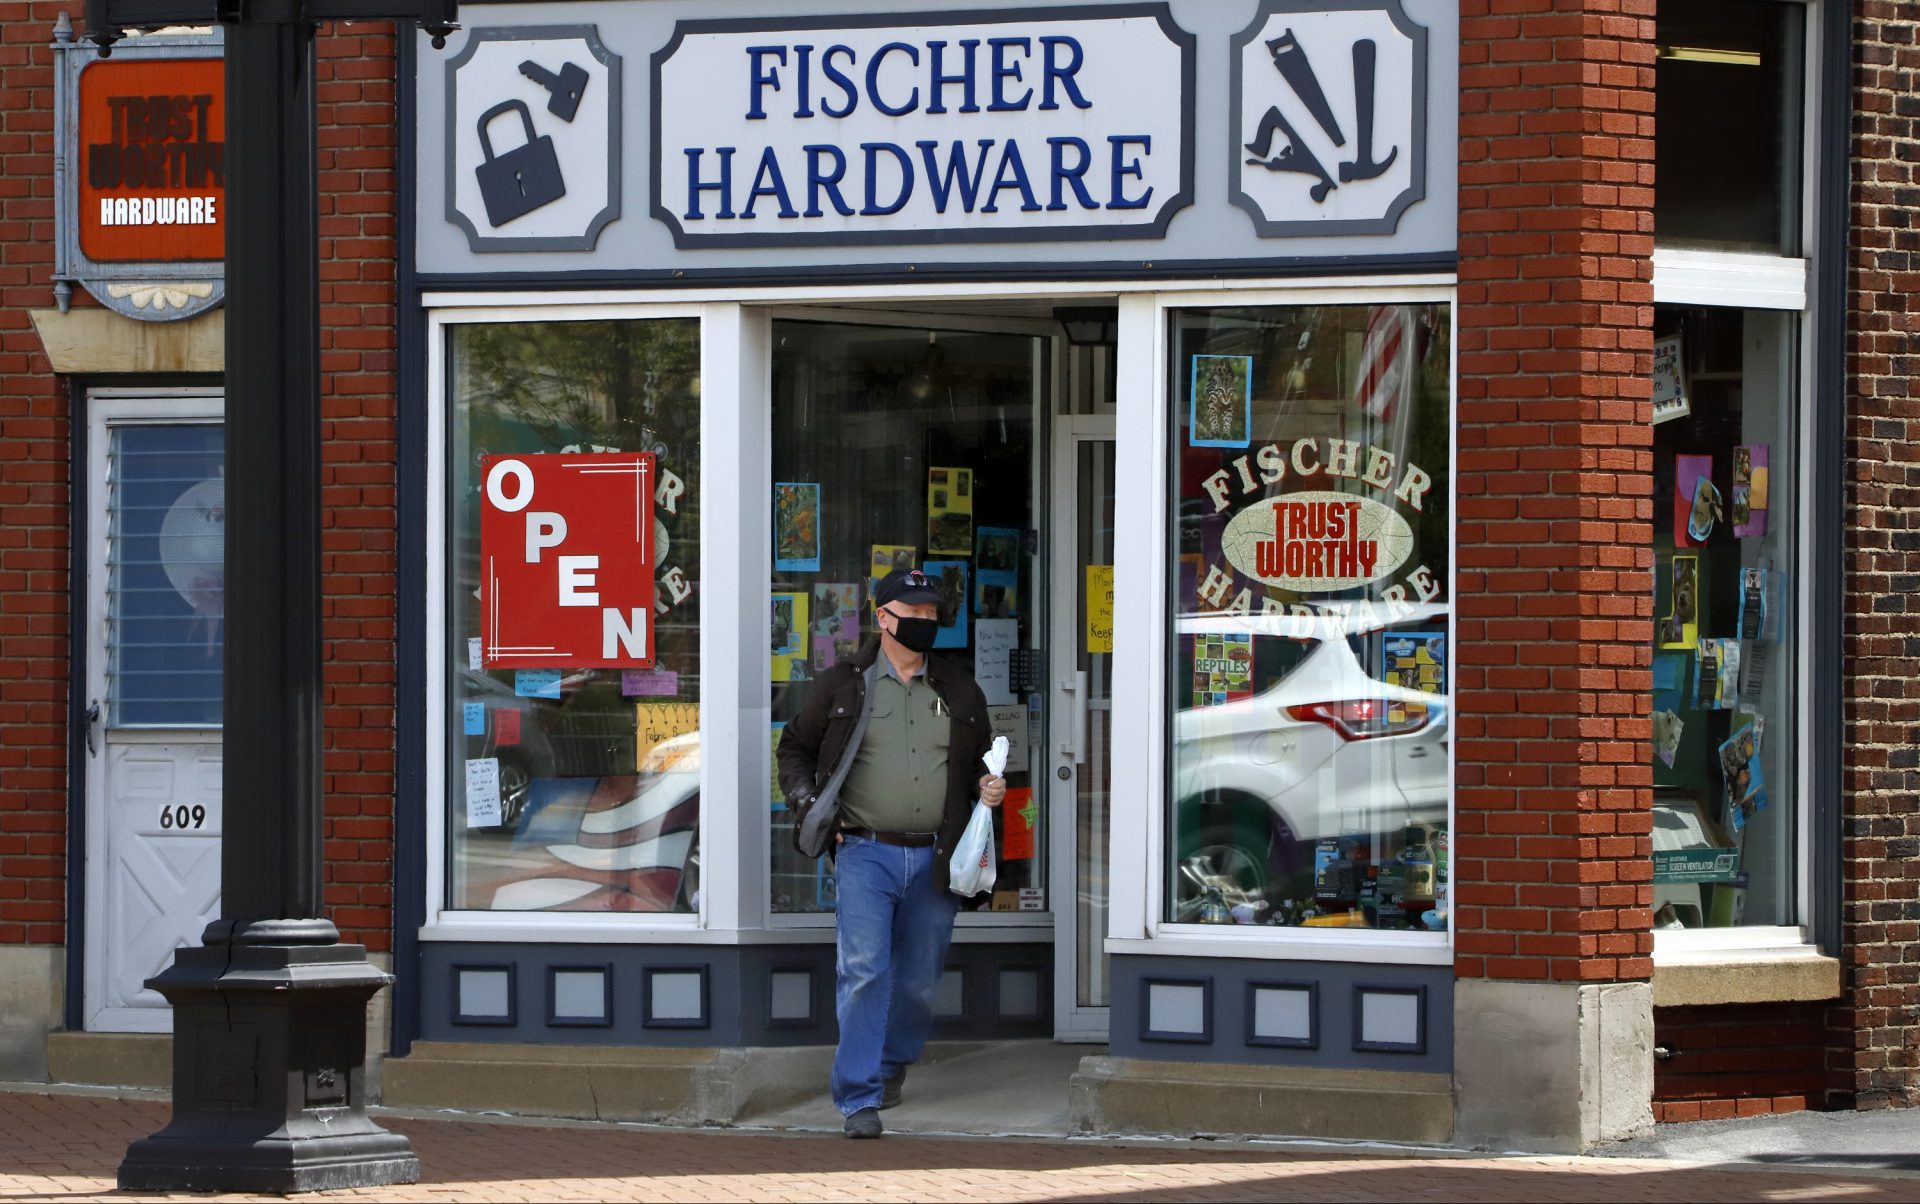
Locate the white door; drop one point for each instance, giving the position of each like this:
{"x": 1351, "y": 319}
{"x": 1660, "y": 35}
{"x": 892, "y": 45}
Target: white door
{"x": 1078, "y": 763}
{"x": 156, "y": 519}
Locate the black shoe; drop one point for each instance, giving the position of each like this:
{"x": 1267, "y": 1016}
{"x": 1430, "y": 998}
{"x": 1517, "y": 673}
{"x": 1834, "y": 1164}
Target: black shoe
{"x": 864, "y": 1123}
{"x": 890, "y": 1090}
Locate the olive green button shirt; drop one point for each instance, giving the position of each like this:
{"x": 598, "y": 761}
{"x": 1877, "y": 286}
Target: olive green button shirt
{"x": 898, "y": 780}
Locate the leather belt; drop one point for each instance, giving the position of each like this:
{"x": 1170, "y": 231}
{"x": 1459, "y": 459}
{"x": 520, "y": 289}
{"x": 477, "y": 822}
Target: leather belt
{"x": 905, "y": 840}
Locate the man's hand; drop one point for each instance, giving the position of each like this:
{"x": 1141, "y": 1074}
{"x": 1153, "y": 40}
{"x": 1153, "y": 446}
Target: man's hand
{"x": 992, "y": 790}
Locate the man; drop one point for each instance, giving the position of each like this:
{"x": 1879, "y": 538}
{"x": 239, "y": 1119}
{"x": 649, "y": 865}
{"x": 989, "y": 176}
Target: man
{"x": 906, "y": 793}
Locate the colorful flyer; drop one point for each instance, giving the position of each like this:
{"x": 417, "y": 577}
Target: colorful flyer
{"x": 1680, "y": 627}
{"x": 1751, "y": 485}
{"x": 1753, "y": 605}
{"x": 836, "y": 622}
{"x": 789, "y": 636}
{"x": 1669, "y": 384}
{"x": 1416, "y": 660}
{"x": 656, "y": 726}
{"x": 887, "y": 557}
{"x": 537, "y": 683}
{"x": 1667, "y": 730}
{"x": 1744, "y": 785}
{"x": 996, "y": 549}
{"x": 950, "y": 577}
{"x": 796, "y": 527}
{"x": 1222, "y": 669}
{"x": 1220, "y": 401}
{"x": 996, "y": 564}
{"x": 949, "y": 511}
{"x": 1099, "y": 608}
{"x": 1696, "y": 501}
{"x": 1019, "y": 816}
{"x": 1672, "y": 683}
{"x": 1718, "y": 684}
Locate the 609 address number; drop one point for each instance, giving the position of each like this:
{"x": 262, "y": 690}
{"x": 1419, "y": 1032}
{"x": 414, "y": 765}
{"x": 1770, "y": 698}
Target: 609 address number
{"x": 182, "y": 817}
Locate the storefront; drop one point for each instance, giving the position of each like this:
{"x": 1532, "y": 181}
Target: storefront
{"x": 1385, "y": 490}
{"x": 1132, "y": 325}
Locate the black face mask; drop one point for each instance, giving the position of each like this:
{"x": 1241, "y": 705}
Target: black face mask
{"x": 915, "y": 635}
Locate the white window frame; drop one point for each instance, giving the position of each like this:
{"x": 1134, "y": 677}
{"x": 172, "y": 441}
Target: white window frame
{"x": 1742, "y": 281}
{"x": 735, "y": 443}
{"x": 1139, "y": 799}
{"x": 444, "y": 923}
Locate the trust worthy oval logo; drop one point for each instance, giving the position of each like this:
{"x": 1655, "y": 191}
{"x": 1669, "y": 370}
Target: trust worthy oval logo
{"x": 1317, "y": 542}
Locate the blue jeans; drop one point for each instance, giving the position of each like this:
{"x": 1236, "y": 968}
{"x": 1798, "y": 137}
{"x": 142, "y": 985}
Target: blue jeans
{"x": 894, "y": 924}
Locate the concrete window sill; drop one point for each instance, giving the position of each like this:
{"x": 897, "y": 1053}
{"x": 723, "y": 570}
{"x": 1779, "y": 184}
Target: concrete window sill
{"x": 1697, "y": 979}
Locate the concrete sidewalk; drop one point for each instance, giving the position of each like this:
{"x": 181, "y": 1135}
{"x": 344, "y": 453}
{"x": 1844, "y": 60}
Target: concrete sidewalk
{"x": 66, "y": 1147}
{"x": 1886, "y": 1140}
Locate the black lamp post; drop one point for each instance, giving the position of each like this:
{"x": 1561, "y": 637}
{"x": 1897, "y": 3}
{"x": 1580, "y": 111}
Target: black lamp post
{"x": 269, "y": 1012}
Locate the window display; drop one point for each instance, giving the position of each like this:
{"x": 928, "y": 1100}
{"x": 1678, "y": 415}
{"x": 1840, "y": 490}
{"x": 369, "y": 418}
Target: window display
{"x": 575, "y": 788}
{"x": 1725, "y": 715}
{"x": 900, "y": 448}
{"x": 1310, "y": 662}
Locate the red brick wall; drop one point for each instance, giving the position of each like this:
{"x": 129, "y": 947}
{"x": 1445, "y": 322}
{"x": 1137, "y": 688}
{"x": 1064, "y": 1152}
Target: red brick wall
{"x": 358, "y": 217}
{"x": 1880, "y": 1063}
{"x": 356, "y": 92}
{"x": 34, "y": 610}
{"x": 1739, "y": 1060}
{"x": 1551, "y": 854}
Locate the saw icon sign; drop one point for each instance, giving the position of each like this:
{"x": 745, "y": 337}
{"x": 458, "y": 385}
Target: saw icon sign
{"x": 1329, "y": 109}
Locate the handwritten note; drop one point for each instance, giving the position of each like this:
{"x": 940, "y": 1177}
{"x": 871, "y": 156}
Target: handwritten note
{"x": 1011, "y": 721}
{"x": 506, "y": 726}
{"x": 473, "y": 653}
{"x": 536, "y": 683}
{"x": 649, "y": 683}
{"x": 473, "y": 718}
{"x": 1099, "y": 608}
{"x": 656, "y": 725}
{"x": 483, "y": 793}
{"x": 994, "y": 641}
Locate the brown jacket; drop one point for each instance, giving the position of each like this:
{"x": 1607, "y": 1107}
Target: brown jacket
{"x": 814, "y": 742}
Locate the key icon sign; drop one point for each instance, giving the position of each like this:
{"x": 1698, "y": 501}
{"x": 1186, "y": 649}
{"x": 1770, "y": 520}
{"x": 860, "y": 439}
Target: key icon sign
{"x": 564, "y": 88}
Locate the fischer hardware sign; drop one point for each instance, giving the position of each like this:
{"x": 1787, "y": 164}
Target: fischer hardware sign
{"x": 566, "y": 551}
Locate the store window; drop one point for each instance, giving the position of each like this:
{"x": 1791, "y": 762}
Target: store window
{"x": 908, "y": 446}
{"x": 576, "y": 789}
{"x": 1730, "y": 185}
{"x": 1310, "y": 650}
{"x": 1726, "y": 626}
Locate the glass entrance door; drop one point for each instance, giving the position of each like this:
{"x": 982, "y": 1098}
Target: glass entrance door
{"x": 1080, "y": 741}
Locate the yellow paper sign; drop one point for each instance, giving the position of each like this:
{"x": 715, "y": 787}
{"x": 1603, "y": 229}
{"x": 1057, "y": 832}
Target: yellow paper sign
{"x": 1099, "y": 608}
{"x": 655, "y": 749}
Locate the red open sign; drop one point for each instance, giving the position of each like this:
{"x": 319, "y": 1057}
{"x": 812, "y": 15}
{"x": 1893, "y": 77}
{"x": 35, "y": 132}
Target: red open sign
{"x": 566, "y": 560}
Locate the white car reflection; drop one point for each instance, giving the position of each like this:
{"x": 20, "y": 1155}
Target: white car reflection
{"x": 1327, "y": 750}
{"x": 609, "y": 843}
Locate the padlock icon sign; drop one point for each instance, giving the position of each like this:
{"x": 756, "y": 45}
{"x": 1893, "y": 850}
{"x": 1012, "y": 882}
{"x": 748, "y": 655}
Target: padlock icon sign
{"x": 525, "y": 178}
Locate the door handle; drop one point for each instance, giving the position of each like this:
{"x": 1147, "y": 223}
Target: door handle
{"x": 1074, "y": 746}
{"x": 93, "y": 717}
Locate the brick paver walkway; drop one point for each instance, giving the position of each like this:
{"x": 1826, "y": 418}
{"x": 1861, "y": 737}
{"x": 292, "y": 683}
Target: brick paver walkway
{"x": 65, "y": 1148}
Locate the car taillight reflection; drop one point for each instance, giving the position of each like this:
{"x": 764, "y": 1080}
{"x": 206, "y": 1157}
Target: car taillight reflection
{"x": 1364, "y": 718}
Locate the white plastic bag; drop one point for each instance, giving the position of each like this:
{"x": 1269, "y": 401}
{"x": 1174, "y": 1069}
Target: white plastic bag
{"x": 972, "y": 872}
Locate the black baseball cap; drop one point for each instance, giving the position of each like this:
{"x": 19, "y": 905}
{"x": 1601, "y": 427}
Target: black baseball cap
{"x": 905, "y": 585}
